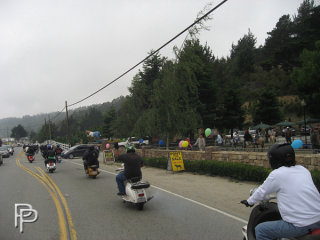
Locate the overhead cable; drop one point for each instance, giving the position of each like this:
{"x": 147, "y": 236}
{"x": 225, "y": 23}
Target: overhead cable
{"x": 186, "y": 29}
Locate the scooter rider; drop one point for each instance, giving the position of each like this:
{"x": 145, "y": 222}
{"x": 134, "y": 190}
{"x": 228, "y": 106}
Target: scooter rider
{"x": 58, "y": 150}
{"x": 132, "y": 168}
{"x": 50, "y": 153}
{"x": 298, "y": 198}
{"x": 30, "y": 150}
{"x": 90, "y": 157}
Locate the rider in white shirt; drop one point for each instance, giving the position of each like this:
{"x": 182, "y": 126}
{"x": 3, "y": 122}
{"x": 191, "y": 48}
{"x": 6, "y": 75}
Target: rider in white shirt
{"x": 297, "y": 196}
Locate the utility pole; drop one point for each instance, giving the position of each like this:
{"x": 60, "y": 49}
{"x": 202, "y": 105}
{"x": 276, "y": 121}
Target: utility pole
{"x": 49, "y": 127}
{"x": 45, "y": 125}
{"x": 68, "y": 133}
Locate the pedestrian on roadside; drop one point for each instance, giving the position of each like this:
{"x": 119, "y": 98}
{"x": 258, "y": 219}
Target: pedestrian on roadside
{"x": 247, "y": 139}
{"x": 219, "y": 140}
{"x": 288, "y": 135}
{"x": 236, "y": 138}
{"x": 201, "y": 142}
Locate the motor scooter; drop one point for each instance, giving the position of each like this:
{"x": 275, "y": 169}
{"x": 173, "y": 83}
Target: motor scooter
{"x": 51, "y": 165}
{"x": 30, "y": 157}
{"x": 92, "y": 171}
{"x": 135, "y": 192}
{"x": 264, "y": 211}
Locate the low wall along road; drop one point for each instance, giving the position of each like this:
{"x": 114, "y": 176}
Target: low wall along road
{"x": 310, "y": 161}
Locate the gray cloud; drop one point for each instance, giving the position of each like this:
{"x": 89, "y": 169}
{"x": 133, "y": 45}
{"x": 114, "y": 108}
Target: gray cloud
{"x": 53, "y": 51}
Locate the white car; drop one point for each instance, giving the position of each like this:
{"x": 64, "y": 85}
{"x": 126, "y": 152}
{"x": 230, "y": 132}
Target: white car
{"x": 134, "y": 140}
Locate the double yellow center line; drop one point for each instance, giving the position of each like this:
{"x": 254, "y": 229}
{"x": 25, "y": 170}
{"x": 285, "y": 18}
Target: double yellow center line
{"x": 67, "y": 231}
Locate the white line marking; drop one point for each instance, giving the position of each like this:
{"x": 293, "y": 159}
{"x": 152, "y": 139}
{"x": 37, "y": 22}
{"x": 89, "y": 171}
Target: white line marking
{"x": 188, "y": 199}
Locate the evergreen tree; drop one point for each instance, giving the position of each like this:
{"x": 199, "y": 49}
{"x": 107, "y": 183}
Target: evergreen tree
{"x": 307, "y": 80}
{"x": 267, "y": 109}
{"x": 18, "y": 132}
{"x": 109, "y": 117}
{"x": 231, "y": 112}
{"x": 242, "y": 56}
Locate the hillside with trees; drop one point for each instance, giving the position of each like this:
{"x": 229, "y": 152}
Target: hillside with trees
{"x": 170, "y": 97}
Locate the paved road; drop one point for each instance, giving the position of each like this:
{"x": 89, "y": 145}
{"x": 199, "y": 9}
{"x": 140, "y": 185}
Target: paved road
{"x": 71, "y": 206}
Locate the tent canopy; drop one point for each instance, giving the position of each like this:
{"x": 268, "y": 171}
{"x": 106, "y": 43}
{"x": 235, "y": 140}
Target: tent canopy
{"x": 310, "y": 120}
{"x": 285, "y": 124}
{"x": 261, "y": 126}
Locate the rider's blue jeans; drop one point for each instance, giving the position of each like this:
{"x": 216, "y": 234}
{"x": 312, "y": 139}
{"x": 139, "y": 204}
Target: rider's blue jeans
{"x": 120, "y": 178}
{"x": 281, "y": 229}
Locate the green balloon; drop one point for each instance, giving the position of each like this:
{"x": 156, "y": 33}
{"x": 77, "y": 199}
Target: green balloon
{"x": 123, "y": 139}
{"x": 207, "y": 132}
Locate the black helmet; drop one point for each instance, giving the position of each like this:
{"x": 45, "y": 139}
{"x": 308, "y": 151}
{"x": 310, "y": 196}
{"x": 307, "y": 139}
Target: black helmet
{"x": 281, "y": 155}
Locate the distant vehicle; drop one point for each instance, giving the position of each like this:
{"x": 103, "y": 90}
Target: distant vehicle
{"x": 293, "y": 131}
{"x": 240, "y": 133}
{"x": 76, "y": 151}
{"x": 134, "y": 140}
{"x": 305, "y": 130}
{"x": 10, "y": 148}
{"x": 252, "y": 131}
{"x": 4, "y": 152}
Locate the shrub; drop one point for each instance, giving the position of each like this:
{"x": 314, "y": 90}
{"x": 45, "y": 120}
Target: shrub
{"x": 316, "y": 178}
{"x": 239, "y": 171}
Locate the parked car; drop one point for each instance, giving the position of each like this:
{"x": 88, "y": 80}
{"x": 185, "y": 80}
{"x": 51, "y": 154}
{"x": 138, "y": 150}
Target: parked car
{"x": 4, "y": 152}
{"x": 10, "y": 148}
{"x": 134, "y": 140}
{"x": 76, "y": 151}
{"x": 293, "y": 131}
{"x": 240, "y": 133}
{"x": 305, "y": 130}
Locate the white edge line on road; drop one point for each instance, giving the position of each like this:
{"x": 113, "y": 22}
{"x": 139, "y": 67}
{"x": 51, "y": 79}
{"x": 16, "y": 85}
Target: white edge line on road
{"x": 188, "y": 199}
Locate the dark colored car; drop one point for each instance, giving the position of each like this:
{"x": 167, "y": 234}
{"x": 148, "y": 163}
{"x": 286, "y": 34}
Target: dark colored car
{"x": 305, "y": 130}
{"x": 293, "y": 131}
{"x": 10, "y": 149}
{"x": 4, "y": 152}
{"x": 76, "y": 151}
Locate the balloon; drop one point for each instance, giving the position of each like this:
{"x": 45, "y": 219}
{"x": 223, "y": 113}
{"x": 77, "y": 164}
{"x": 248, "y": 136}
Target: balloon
{"x": 96, "y": 134}
{"x": 207, "y": 132}
{"x": 140, "y": 140}
{"x": 185, "y": 144}
{"x": 296, "y": 144}
{"x": 107, "y": 145}
{"x": 123, "y": 139}
{"x": 161, "y": 143}
{"x": 180, "y": 144}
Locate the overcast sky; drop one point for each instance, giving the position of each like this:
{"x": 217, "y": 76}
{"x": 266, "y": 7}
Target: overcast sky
{"x": 52, "y": 51}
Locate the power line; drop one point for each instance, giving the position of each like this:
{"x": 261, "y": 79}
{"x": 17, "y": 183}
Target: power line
{"x": 172, "y": 39}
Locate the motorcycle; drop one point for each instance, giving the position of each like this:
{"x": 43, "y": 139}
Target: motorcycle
{"x": 92, "y": 171}
{"x": 51, "y": 165}
{"x": 30, "y": 158}
{"x": 135, "y": 192}
{"x": 268, "y": 211}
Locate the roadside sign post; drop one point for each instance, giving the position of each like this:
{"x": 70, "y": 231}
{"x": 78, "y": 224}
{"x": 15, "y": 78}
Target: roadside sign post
{"x": 108, "y": 156}
{"x": 175, "y": 162}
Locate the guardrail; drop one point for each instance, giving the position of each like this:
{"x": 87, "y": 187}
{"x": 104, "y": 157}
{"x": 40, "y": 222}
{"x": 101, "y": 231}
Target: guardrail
{"x": 62, "y": 145}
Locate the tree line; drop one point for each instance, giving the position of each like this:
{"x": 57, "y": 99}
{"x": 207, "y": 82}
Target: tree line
{"x": 196, "y": 90}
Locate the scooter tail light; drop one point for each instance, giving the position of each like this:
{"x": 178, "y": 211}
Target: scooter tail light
{"x": 141, "y": 194}
{"x": 51, "y": 164}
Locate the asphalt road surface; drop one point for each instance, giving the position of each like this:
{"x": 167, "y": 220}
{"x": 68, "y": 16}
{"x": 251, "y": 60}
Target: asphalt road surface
{"x": 72, "y": 206}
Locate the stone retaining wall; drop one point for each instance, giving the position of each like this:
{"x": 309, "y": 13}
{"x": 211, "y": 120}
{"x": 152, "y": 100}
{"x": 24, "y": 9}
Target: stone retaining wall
{"x": 310, "y": 161}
